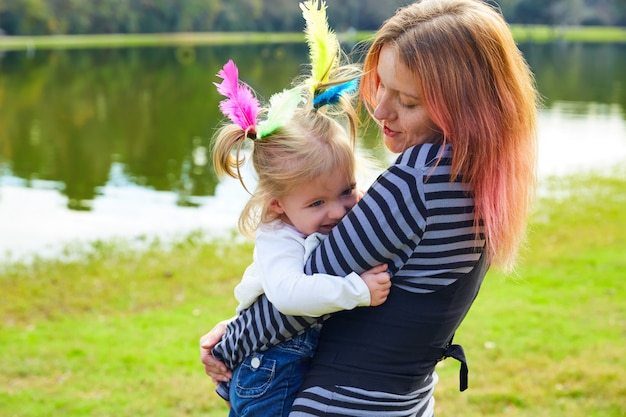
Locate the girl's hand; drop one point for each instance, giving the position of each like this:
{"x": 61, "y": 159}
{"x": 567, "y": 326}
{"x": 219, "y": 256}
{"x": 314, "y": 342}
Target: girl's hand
{"x": 378, "y": 281}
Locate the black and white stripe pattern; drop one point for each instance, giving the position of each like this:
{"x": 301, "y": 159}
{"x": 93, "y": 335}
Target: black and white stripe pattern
{"x": 258, "y": 328}
{"x": 355, "y": 402}
{"x": 412, "y": 218}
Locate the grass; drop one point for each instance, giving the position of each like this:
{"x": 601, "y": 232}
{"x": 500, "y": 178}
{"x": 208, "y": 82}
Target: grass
{"x": 551, "y": 341}
{"x": 534, "y": 33}
{"x": 154, "y": 39}
{"x": 591, "y": 34}
{"x": 115, "y": 331}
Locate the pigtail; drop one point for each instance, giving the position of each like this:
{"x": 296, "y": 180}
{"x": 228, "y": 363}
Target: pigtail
{"x": 227, "y": 144}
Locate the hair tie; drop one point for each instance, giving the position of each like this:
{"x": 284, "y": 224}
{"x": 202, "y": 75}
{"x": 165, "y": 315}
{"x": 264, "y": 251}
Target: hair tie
{"x": 250, "y": 134}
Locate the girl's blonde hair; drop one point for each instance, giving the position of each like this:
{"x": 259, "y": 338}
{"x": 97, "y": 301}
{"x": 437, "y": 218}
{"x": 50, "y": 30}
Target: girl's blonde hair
{"x": 478, "y": 89}
{"x": 311, "y": 144}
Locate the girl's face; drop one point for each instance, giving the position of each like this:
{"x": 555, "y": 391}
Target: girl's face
{"x": 318, "y": 205}
{"x": 399, "y": 108}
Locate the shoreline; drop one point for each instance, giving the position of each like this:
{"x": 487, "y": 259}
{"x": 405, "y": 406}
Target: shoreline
{"x": 521, "y": 33}
{"x": 216, "y": 222}
{"x": 43, "y": 228}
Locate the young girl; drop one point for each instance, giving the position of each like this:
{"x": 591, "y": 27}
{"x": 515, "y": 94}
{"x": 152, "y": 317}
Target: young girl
{"x": 305, "y": 163}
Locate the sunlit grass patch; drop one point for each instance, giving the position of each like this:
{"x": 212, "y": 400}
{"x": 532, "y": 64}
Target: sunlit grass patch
{"x": 113, "y": 330}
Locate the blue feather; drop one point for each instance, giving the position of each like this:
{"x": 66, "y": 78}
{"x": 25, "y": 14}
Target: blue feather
{"x": 332, "y": 94}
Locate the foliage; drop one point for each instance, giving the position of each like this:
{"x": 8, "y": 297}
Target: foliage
{"x": 565, "y": 12}
{"x": 55, "y": 17}
{"x": 114, "y": 330}
{"x": 85, "y": 121}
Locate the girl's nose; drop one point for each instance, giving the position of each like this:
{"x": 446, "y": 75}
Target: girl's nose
{"x": 337, "y": 211}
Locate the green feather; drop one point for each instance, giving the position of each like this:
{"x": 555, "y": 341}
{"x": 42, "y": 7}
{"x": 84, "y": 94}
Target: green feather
{"x": 322, "y": 42}
{"x": 281, "y": 109}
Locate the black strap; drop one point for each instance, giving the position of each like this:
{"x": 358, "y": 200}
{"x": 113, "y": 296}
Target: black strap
{"x": 457, "y": 352}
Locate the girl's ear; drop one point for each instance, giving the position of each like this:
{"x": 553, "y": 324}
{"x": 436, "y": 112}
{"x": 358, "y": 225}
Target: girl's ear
{"x": 276, "y": 207}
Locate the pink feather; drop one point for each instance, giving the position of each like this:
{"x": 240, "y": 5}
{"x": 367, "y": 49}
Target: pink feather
{"x": 241, "y": 106}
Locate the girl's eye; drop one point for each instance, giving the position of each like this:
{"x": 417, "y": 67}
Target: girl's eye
{"x": 317, "y": 203}
{"x": 347, "y": 191}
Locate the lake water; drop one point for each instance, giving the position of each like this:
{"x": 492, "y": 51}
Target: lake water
{"x": 114, "y": 143}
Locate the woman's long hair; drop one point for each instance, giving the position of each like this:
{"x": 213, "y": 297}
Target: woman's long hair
{"x": 478, "y": 89}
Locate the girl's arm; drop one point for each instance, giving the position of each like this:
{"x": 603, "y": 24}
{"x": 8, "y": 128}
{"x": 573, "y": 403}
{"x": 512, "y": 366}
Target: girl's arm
{"x": 279, "y": 257}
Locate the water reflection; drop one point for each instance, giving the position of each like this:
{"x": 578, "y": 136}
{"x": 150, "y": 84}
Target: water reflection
{"x": 575, "y": 137}
{"x": 68, "y": 116}
{"x": 100, "y": 143}
{"x": 579, "y": 73}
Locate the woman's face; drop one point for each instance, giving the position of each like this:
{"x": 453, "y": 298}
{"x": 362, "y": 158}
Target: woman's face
{"x": 399, "y": 108}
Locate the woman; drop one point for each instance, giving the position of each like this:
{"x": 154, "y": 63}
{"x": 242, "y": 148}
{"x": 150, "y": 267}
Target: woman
{"x": 456, "y": 100}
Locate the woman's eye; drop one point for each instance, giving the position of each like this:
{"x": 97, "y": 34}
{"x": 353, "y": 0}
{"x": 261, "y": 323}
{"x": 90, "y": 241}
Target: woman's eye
{"x": 407, "y": 105}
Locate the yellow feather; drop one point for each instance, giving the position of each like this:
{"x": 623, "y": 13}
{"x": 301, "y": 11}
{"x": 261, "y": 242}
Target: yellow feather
{"x": 322, "y": 41}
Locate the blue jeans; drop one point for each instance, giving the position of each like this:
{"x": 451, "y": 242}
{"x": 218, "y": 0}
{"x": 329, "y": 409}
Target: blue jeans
{"x": 266, "y": 383}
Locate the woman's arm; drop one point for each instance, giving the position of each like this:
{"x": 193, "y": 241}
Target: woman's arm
{"x": 213, "y": 367}
{"x": 384, "y": 227}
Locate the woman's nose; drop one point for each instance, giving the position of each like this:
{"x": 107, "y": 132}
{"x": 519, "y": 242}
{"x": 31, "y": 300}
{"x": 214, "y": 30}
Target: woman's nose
{"x": 383, "y": 109}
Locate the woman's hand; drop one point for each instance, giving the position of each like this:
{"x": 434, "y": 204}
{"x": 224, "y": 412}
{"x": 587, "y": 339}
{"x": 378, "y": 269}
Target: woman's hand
{"x": 214, "y": 368}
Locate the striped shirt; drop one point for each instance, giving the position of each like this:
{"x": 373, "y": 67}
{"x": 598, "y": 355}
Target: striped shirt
{"x": 418, "y": 222}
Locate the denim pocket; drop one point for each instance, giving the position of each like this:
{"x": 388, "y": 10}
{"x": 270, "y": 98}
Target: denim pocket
{"x": 254, "y": 376}
{"x": 303, "y": 345}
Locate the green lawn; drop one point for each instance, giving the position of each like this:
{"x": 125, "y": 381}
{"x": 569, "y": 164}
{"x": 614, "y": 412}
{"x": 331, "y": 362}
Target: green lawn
{"x": 133, "y": 40}
{"x": 116, "y": 333}
{"x": 539, "y": 33}
{"x": 534, "y": 33}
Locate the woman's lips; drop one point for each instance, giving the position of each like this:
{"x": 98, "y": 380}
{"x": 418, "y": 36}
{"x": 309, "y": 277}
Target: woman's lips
{"x": 389, "y": 132}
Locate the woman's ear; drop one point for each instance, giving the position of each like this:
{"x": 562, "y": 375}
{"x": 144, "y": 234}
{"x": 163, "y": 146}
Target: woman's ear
{"x": 276, "y": 207}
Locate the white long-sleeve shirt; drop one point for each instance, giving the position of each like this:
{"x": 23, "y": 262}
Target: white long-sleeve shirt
{"x": 278, "y": 272}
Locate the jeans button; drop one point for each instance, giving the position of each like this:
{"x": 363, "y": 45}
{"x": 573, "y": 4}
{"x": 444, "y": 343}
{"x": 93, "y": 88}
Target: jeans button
{"x": 255, "y": 362}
